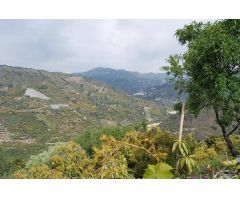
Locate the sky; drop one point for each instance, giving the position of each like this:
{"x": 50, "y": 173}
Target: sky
{"x": 80, "y": 45}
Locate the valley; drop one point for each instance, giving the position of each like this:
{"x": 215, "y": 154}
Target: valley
{"x": 156, "y": 88}
{"x": 40, "y": 106}
{"x": 39, "y": 109}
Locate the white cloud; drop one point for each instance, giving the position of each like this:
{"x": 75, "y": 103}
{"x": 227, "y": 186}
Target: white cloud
{"x": 80, "y": 45}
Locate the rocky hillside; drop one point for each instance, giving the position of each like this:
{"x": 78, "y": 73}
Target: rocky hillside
{"x": 39, "y": 106}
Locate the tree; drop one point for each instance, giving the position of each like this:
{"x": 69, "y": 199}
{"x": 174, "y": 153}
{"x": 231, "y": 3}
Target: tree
{"x": 209, "y": 72}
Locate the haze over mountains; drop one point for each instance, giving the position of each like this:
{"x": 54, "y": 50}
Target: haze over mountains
{"x": 127, "y": 81}
{"x": 150, "y": 86}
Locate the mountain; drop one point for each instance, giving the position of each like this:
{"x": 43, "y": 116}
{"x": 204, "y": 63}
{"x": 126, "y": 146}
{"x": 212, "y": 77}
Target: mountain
{"x": 70, "y": 104}
{"x": 129, "y": 82}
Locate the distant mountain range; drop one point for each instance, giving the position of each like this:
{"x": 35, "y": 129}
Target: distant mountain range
{"x": 127, "y": 81}
{"x": 149, "y": 86}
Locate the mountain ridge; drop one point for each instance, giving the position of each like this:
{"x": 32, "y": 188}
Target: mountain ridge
{"x": 127, "y": 81}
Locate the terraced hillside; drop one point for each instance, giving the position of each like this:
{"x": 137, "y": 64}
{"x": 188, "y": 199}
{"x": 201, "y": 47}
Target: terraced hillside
{"x": 70, "y": 105}
{"x": 4, "y": 134}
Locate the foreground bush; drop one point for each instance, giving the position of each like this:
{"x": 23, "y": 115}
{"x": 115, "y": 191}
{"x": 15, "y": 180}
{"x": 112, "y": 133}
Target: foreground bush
{"x": 71, "y": 161}
{"x": 152, "y": 154}
{"x": 113, "y": 159}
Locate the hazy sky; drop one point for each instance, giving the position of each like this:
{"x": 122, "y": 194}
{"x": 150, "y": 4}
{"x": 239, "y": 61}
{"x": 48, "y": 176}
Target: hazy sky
{"x": 80, "y": 45}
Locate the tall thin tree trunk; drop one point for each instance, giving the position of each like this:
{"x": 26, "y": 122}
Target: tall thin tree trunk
{"x": 181, "y": 121}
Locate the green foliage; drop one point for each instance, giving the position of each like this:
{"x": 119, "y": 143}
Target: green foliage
{"x": 4, "y": 163}
{"x": 188, "y": 163}
{"x": 14, "y": 156}
{"x": 203, "y": 153}
{"x": 184, "y": 161}
{"x": 189, "y": 32}
{"x": 180, "y": 147}
{"x": 90, "y": 137}
{"x": 71, "y": 161}
{"x": 25, "y": 125}
{"x": 209, "y": 71}
{"x": 42, "y": 157}
{"x": 133, "y": 145}
{"x": 140, "y": 149}
{"x": 231, "y": 170}
{"x": 142, "y": 126}
{"x": 217, "y": 143}
{"x": 126, "y": 157}
{"x": 132, "y": 155}
{"x": 234, "y": 166}
{"x": 191, "y": 141}
{"x": 158, "y": 171}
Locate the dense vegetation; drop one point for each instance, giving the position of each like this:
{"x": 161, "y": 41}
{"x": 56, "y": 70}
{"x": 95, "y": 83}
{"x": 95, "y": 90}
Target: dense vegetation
{"x": 124, "y": 153}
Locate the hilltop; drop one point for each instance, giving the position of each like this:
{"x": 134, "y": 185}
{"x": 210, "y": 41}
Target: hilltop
{"x": 127, "y": 81}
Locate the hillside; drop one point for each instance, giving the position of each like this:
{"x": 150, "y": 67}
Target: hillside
{"x": 164, "y": 93}
{"x": 154, "y": 87}
{"x": 88, "y": 103}
{"x": 129, "y": 82}
{"x": 39, "y": 108}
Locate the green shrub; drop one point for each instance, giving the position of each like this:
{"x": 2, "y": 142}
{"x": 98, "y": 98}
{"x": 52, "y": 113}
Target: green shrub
{"x": 90, "y": 137}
